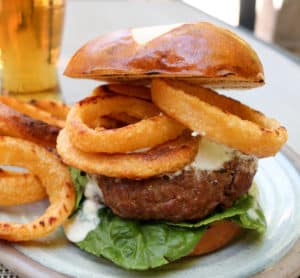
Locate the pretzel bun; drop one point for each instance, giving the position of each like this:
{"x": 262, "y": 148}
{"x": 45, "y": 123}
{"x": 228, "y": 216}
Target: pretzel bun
{"x": 200, "y": 53}
{"x": 216, "y": 236}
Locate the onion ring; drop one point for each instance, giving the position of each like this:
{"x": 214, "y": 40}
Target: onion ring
{"x": 55, "y": 178}
{"x": 154, "y": 129}
{"x": 168, "y": 157}
{"x": 31, "y": 111}
{"x": 18, "y": 188}
{"x": 15, "y": 124}
{"x": 219, "y": 118}
{"x": 124, "y": 89}
{"x": 54, "y": 107}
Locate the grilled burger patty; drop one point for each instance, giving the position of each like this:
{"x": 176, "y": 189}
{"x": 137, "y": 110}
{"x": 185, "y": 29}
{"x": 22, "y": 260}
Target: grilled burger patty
{"x": 193, "y": 194}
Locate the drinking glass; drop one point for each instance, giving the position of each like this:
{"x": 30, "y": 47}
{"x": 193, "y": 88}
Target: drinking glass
{"x": 30, "y": 38}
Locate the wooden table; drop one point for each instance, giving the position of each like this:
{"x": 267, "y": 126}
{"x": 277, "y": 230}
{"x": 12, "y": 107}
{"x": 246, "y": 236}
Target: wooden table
{"x": 86, "y": 19}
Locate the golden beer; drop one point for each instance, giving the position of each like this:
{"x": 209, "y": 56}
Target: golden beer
{"x": 30, "y": 37}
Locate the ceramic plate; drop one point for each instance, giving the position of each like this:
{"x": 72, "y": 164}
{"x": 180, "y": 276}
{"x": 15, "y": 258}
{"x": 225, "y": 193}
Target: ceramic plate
{"x": 279, "y": 184}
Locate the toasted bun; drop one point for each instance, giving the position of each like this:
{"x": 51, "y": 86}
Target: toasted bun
{"x": 200, "y": 53}
{"x": 216, "y": 236}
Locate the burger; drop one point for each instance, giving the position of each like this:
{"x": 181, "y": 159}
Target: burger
{"x": 163, "y": 165}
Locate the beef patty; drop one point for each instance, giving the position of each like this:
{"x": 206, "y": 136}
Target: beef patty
{"x": 191, "y": 195}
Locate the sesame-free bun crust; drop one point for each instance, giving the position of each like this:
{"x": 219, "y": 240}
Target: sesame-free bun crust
{"x": 216, "y": 236}
{"x": 200, "y": 53}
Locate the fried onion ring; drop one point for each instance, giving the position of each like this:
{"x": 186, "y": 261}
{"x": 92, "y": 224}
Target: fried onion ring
{"x": 55, "y": 178}
{"x": 16, "y": 124}
{"x": 219, "y": 118}
{"x": 124, "y": 89}
{"x": 31, "y": 111}
{"x": 18, "y": 188}
{"x": 168, "y": 157}
{"x": 54, "y": 107}
{"x": 154, "y": 128}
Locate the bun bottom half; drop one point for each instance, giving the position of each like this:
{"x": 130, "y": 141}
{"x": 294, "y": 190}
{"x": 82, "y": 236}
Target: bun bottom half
{"x": 216, "y": 236}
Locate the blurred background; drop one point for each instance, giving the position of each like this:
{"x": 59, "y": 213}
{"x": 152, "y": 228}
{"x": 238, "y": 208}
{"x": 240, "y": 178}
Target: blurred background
{"x": 37, "y": 37}
{"x": 274, "y": 21}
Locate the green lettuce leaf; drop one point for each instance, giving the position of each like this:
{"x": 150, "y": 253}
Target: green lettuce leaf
{"x": 139, "y": 245}
{"x": 253, "y": 219}
{"x": 80, "y": 180}
{"x": 246, "y": 212}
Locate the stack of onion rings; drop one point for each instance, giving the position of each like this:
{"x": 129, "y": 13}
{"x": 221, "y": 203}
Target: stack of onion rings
{"x": 88, "y": 144}
{"x": 47, "y": 170}
{"x": 35, "y": 122}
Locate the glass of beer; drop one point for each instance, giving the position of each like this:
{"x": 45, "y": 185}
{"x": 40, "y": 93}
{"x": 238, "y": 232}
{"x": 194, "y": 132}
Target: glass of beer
{"x": 30, "y": 38}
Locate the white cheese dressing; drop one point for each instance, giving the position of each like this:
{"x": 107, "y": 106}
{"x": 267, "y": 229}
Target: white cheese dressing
{"x": 92, "y": 190}
{"x": 211, "y": 156}
{"x": 87, "y": 219}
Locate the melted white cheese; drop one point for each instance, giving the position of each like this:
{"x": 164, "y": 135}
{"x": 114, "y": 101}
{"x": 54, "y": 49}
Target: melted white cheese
{"x": 146, "y": 34}
{"x": 86, "y": 220}
{"x": 92, "y": 191}
{"x": 211, "y": 156}
{"x": 252, "y": 166}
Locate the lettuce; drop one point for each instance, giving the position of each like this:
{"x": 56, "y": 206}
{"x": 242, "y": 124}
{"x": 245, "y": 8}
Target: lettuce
{"x": 253, "y": 219}
{"x": 138, "y": 245}
{"x": 80, "y": 180}
{"x": 246, "y": 212}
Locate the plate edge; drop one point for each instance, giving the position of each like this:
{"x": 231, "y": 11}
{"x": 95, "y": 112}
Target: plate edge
{"x": 23, "y": 265}
{"x": 279, "y": 268}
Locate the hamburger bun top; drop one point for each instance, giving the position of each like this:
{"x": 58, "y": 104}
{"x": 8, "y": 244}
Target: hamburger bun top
{"x": 200, "y": 53}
